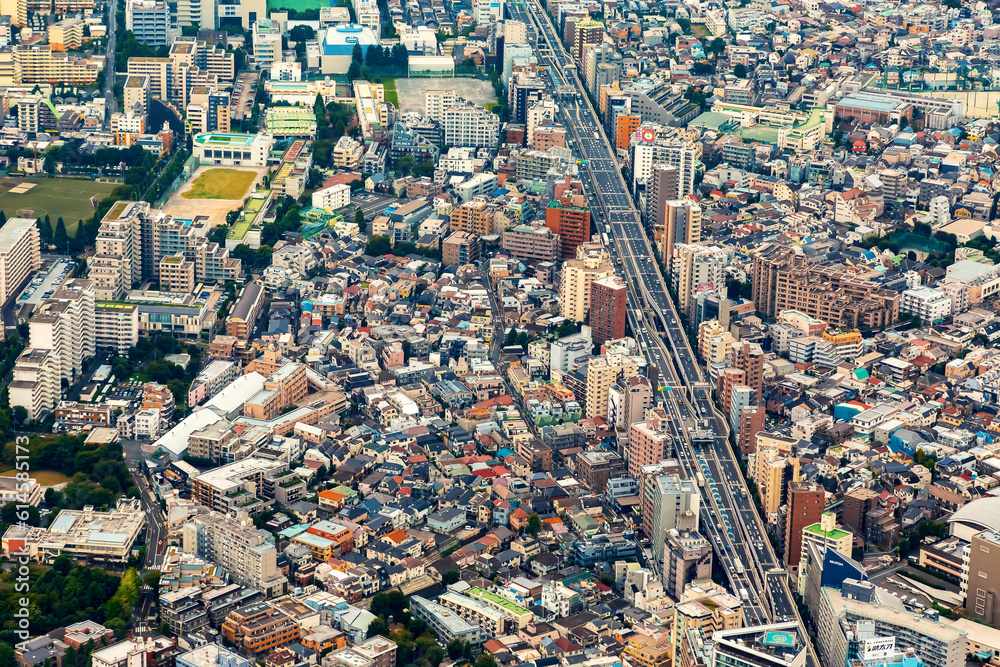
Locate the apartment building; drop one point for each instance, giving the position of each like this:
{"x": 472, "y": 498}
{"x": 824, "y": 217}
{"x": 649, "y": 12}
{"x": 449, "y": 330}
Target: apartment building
{"x": 569, "y": 218}
{"x": 64, "y": 325}
{"x": 492, "y": 621}
{"x": 149, "y": 21}
{"x": 20, "y": 255}
{"x": 532, "y": 242}
{"x": 668, "y": 503}
{"x": 470, "y": 125}
{"x": 696, "y": 269}
{"x": 577, "y": 277}
{"x": 460, "y": 248}
{"x": 649, "y": 441}
{"x": 259, "y": 628}
{"x": 473, "y": 217}
{"x": 806, "y": 501}
{"x": 39, "y": 63}
{"x": 682, "y": 224}
{"x": 36, "y": 384}
{"x": 446, "y": 625}
{"x": 230, "y": 487}
{"x": 117, "y": 261}
{"x": 211, "y": 380}
{"x": 66, "y": 34}
{"x": 687, "y": 557}
{"x": 436, "y": 101}
{"x": 116, "y": 326}
{"x": 607, "y": 309}
{"x": 248, "y": 554}
{"x": 157, "y": 69}
{"x": 245, "y": 313}
{"x": 783, "y": 279}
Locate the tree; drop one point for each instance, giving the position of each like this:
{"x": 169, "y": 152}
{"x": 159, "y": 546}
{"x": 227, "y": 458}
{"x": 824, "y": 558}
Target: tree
{"x": 319, "y": 107}
{"x": 354, "y": 71}
{"x": 455, "y": 648}
{"x": 359, "y": 220}
{"x": 357, "y": 55}
{"x": 451, "y": 577}
{"x": 717, "y": 46}
{"x": 378, "y": 245}
{"x": 60, "y": 238}
{"x": 425, "y": 168}
{"x": 301, "y": 33}
{"x": 486, "y": 660}
{"x": 405, "y": 164}
{"x": 534, "y": 525}
{"x": 740, "y": 71}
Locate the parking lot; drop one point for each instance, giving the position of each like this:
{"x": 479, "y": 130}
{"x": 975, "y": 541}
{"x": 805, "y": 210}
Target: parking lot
{"x": 374, "y": 204}
{"x": 245, "y": 90}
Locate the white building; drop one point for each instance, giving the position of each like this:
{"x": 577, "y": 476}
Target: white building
{"x": 65, "y": 325}
{"x": 940, "y": 211}
{"x": 266, "y": 43}
{"x": 37, "y": 385}
{"x": 149, "y": 21}
{"x": 240, "y": 150}
{"x": 116, "y": 326}
{"x": 201, "y": 13}
{"x": 333, "y": 197}
{"x": 420, "y": 40}
{"x": 927, "y": 303}
{"x": 20, "y": 254}
{"x": 471, "y": 125}
{"x": 436, "y": 101}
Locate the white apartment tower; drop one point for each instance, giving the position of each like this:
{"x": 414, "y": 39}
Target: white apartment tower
{"x": 436, "y": 101}
{"x": 65, "y": 325}
{"x": 20, "y": 254}
{"x": 36, "y": 385}
{"x": 696, "y": 269}
{"x": 471, "y": 125}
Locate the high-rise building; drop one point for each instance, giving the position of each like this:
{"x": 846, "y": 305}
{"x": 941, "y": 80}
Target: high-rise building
{"x": 577, "y": 276}
{"x": 460, "y": 248}
{"x": 664, "y": 186}
{"x": 777, "y": 645}
{"x": 20, "y": 255}
{"x": 201, "y": 13}
{"x": 17, "y": 10}
{"x": 749, "y": 358}
{"x": 149, "y": 21}
{"x": 682, "y": 224}
{"x": 696, "y": 269}
{"x": 649, "y": 441}
{"x": 65, "y": 325}
{"x": 753, "y": 420}
{"x": 668, "y": 503}
{"x": 36, "y": 384}
{"x": 687, "y": 556}
{"x": 602, "y": 373}
{"x": 586, "y": 33}
{"x": 653, "y": 145}
{"x": 826, "y": 535}
{"x": 607, "y": 309}
{"x": 436, "y": 101}
{"x": 470, "y": 125}
{"x": 569, "y": 217}
{"x": 806, "y": 501}
{"x": 248, "y": 554}
{"x": 473, "y": 217}
{"x": 857, "y": 503}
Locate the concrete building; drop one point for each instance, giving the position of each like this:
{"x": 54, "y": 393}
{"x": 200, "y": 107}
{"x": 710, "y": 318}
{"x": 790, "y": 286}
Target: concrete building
{"x": 248, "y": 554}
{"x": 470, "y": 125}
{"x": 20, "y": 255}
{"x": 66, "y": 34}
{"x": 64, "y": 325}
{"x": 460, "y": 248}
{"x": 806, "y": 501}
{"x": 492, "y": 621}
{"x": 602, "y": 373}
{"x": 102, "y": 536}
{"x": 577, "y": 276}
{"x": 929, "y": 304}
{"x": 607, "y": 309}
{"x": 649, "y": 441}
{"x": 532, "y": 242}
{"x": 777, "y": 645}
{"x": 687, "y": 557}
{"x": 569, "y": 217}
{"x": 473, "y": 217}
{"x": 246, "y": 312}
{"x": 783, "y": 280}
{"x": 826, "y": 535}
{"x": 333, "y": 197}
{"x": 668, "y": 503}
{"x": 446, "y": 624}
{"x": 149, "y": 21}
{"x": 696, "y": 269}
{"x": 682, "y": 224}
{"x": 36, "y": 384}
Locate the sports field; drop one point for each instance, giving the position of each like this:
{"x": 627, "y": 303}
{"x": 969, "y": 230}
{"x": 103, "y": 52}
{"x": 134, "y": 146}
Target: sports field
{"x": 66, "y": 198}
{"x": 297, "y": 5}
{"x": 221, "y": 184}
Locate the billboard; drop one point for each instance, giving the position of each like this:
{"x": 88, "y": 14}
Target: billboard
{"x": 646, "y": 134}
{"x": 878, "y": 648}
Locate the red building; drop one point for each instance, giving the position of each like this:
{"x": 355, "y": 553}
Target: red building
{"x": 806, "y": 501}
{"x": 569, "y": 217}
{"x": 607, "y": 309}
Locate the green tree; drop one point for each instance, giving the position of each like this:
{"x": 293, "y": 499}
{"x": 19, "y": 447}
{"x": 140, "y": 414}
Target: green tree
{"x": 455, "y": 648}
{"x": 60, "y": 238}
{"x": 486, "y": 660}
{"x": 450, "y": 577}
{"x": 534, "y": 524}
{"x": 740, "y": 71}
{"x": 356, "y": 54}
{"x": 359, "y": 220}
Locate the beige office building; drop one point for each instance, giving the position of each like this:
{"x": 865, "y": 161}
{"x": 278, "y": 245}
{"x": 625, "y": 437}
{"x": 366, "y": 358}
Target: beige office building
{"x": 577, "y": 276}
{"x": 602, "y": 373}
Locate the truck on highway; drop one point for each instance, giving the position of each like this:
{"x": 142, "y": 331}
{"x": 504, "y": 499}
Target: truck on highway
{"x": 744, "y": 595}
{"x": 738, "y": 565}
{"x": 701, "y": 479}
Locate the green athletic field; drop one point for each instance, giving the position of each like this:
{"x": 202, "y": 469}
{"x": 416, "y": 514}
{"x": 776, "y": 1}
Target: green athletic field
{"x": 68, "y": 198}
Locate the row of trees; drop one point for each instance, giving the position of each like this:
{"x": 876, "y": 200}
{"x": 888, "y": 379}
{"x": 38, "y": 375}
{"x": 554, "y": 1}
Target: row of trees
{"x": 381, "y": 245}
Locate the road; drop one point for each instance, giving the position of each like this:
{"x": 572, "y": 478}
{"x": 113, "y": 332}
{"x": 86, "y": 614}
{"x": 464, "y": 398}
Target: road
{"x": 110, "y": 105}
{"x": 701, "y": 434}
{"x": 156, "y": 531}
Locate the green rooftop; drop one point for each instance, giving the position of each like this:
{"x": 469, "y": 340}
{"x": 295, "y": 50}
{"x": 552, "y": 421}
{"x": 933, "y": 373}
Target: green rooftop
{"x": 479, "y": 593}
{"x": 835, "y": 534}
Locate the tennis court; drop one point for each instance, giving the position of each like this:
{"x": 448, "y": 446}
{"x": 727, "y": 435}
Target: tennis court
{"x": 297, "y": 5}
{"x": 66, "y": 198}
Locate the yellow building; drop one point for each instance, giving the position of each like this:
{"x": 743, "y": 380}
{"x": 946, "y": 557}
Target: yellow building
{"x": 66, "y": 34}
{"x": 646, "y": 651}
{"x": 39, "y": 63}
